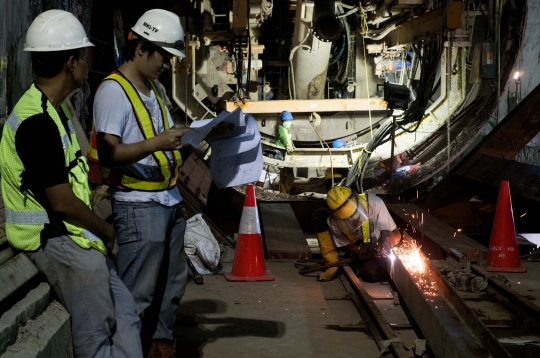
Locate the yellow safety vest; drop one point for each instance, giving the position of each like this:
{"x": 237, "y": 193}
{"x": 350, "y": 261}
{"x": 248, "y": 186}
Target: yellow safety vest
{"x": 25, "y": 217}
{"x": 168, "y": 172}
{"x": 366, "y": 230}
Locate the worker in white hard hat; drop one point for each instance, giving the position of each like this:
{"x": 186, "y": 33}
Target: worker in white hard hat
{"x": 362, "y": 225}
{"x": 46, "y": 196}
{"x": 135, "y": 142}
{"x": 284, "y": 140}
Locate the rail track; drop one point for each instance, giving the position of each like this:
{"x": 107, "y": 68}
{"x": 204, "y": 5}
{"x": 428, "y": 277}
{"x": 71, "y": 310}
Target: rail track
{"x": 497, "y": 320}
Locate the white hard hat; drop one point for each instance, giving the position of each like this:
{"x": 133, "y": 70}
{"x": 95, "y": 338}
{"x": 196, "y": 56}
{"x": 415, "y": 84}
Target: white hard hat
{"x": 162, "y": 28}
{"x": 55, "y": 30}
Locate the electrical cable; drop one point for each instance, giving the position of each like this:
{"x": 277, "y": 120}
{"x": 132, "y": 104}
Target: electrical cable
{"x": 341, "y": 80}
{"x": 311, "y": 121}
{"x": 363, "y": 27}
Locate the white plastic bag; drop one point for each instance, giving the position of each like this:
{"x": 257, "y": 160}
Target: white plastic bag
{"x": 200, "y": 245}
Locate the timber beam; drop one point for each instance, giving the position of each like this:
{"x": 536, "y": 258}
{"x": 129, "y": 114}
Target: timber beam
{"x": 308, "y": 105}
{"x": 493, "y": 158}
{"x": 490, "y": 171}
{"x": 516, "y": 130}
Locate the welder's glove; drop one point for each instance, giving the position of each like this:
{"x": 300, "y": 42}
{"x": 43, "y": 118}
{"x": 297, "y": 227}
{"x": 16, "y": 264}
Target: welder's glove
{"x": 385, "y": 243}
{"x": 364, "y": 252}
{"x": 289, "y": 148}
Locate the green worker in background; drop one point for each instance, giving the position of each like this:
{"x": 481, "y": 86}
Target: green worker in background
{"x": 284, "y": 140}
{"x": 283, "y": 133}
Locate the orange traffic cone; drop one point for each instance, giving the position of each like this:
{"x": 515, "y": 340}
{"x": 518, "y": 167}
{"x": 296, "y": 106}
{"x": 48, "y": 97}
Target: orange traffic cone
{"x": 503, "y": 255}
{"x": 248, "y": 264}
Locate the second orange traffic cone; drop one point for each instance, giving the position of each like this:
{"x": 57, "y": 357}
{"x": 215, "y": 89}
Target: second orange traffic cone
{"x": 503, "y": 255}
{"x": 248, "y": 264}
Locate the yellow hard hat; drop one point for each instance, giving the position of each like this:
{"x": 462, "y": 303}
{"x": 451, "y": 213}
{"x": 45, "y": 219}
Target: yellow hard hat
{"x": 337, "y": 196}
{"x": 342, "y": 201}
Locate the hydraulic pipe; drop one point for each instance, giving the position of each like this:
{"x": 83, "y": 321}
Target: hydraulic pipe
{"x": 311, "y": 49}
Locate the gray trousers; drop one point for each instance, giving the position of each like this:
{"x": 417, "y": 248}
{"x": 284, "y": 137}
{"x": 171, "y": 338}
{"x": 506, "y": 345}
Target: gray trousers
{"x": 103, "y": 318}
{"x": 151, "y": 262}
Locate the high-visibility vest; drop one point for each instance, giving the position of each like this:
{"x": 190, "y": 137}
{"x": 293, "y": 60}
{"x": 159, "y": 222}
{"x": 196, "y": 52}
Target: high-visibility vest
{"x": 25, "y": 217}
{"x": 168, "y": 171}
{"x": 366, "y": 229}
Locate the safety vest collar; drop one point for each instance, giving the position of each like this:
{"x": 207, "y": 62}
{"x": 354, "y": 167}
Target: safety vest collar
{"x": 14, "y": 122}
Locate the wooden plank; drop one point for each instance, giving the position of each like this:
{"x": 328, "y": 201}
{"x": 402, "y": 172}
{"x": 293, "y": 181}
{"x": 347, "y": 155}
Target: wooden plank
{"x": 282, "y": 233}
{"x": 505, "y": 141}
{"x": 516, "y": 130}
{"x": 15, "y": 273}
{"x": 440, "y": 233}
{"x": 488, "y": 170}
{"x": 307, "y": 105}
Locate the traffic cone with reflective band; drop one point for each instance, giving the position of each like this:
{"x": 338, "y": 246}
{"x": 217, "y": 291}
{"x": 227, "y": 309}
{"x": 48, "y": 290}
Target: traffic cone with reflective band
{"x": 503, "y": 255}
{"x": 248, "y": 264}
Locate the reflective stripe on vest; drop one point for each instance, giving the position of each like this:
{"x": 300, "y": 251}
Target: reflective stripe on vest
{"x": 25, "y": 217}
{"x": 366, "y": 231}
{"x": 168, "y": 172}
{"x": 92, "y": 153}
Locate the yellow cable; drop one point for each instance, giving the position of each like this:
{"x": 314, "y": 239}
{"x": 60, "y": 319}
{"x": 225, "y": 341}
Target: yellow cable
{"x": 360, "y": 160}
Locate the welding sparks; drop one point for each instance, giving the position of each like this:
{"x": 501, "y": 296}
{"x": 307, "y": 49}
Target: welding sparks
{"x": 416, "y": 264}
{"x": 411, "y": 257}
{"x": 522, "y": 215}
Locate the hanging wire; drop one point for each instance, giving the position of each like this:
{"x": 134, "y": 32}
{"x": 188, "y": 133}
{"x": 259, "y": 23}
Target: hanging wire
{"x": 312, "y": 116}
{"x": 363, "y": 31}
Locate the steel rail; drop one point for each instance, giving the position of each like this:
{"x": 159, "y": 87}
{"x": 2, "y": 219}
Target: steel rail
{"x": 532, "y": 310}
{"x": 375, "y": 314}
{"x": 447, "y": 334}
{"x": 483, "y": 334}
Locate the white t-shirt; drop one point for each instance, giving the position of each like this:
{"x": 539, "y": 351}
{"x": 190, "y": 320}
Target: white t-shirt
{"x": 113, "y": 114}
{"x": 379, "y": 220}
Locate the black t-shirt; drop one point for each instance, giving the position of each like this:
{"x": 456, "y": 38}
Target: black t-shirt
{"x": 39, "y": 146}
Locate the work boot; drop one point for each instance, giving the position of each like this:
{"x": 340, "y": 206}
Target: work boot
{"x": 329, "y": 254}
{"x": 162, "y": 349}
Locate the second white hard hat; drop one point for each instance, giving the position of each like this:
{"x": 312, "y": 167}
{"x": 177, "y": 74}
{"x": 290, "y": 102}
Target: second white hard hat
{"x": 55, "y": 30}
{"x": 162, "y": 28}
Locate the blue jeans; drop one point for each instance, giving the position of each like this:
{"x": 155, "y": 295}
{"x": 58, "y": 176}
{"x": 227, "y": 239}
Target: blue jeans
{"x": 151, "y": 261}
{"x": 103, "y": 319}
